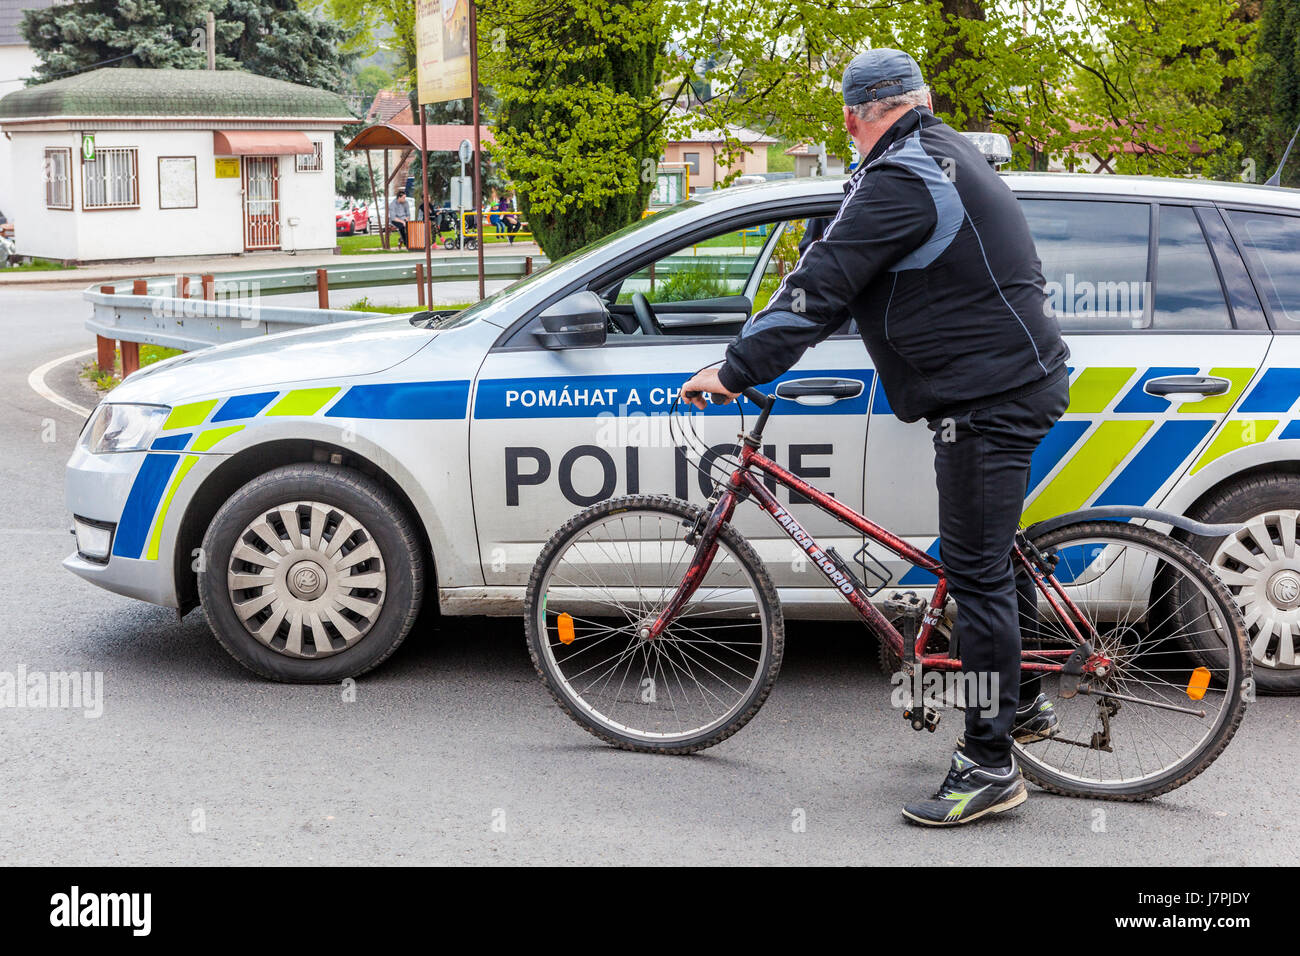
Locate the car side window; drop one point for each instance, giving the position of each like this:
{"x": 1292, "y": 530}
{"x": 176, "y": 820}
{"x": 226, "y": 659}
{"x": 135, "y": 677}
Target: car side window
{"x": 1094, "y": 259}
{"x": 709, "y": 269}
{"x": 1271, "y": 243}
{"x": 1189, "y": 296}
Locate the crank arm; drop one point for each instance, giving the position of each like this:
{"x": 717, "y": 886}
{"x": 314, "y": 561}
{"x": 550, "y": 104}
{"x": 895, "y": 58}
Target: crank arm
{"x": 1161, "y": 705}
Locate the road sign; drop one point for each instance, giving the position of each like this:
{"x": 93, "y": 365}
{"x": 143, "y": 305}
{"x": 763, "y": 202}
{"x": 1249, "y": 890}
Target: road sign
{"x": 462, "y": 192}
{"x": 466, "y": 152}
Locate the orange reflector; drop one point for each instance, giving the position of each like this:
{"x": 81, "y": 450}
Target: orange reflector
{"x": 565, "y": 625}
{"x": 1200, "y": 680}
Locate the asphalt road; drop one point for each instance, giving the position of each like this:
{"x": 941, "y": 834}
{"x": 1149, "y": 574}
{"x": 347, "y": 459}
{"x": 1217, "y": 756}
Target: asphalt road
{"x": 454, "y": 753}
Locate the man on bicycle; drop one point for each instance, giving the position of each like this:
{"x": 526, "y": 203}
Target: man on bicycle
{"x": 930, "y": 254}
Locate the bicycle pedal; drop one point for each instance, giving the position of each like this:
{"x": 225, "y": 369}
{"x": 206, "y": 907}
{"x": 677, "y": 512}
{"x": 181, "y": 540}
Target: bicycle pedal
{"x": 905, "y": 604}
{"x": 927, "y": 718}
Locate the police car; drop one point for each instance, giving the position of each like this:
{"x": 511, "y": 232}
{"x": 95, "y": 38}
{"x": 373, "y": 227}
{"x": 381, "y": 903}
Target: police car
{"x": 314, "y": 490}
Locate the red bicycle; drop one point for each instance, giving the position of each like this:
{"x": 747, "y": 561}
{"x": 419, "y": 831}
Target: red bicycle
{"x": 656, "y": 626}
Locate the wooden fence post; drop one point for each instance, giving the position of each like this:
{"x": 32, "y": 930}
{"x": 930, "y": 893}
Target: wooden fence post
{"x": 322, "y": 288}
{"x": 131, "y": 350}
{"x": 105, "y": 349}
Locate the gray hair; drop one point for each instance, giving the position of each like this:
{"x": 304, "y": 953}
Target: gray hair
{"x": 872, "y": 110}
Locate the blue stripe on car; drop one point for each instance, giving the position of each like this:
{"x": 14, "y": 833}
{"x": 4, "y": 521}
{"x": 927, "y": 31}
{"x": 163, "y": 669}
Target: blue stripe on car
{"x": 1165, "y": 451}
{"x": 500, "y": 398}
{"x": 404, "y": 400}
{"x": 1276, "y": 391}
{"x": 243, "y": 406}
{"x": 141, "y": 503}
{"x": 171, "y": 442}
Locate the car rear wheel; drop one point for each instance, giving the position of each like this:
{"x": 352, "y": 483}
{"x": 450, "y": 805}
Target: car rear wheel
{"x": 311, "y": 573}
{"x": 1260, "y": 565}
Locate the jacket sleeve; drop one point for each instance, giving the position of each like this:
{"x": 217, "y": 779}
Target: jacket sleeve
{"x": 886, "y": 214}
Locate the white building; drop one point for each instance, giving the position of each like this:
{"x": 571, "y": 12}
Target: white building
{"x": 17, "y": 64}
{"x": 121, "y": 163}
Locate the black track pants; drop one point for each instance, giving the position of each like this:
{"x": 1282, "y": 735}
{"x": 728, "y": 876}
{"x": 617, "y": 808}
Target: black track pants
{"x": 981, "y": 468}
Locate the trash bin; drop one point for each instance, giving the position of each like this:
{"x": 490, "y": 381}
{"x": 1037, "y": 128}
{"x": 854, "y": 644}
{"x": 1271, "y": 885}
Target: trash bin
{"x": 415, "y": 234}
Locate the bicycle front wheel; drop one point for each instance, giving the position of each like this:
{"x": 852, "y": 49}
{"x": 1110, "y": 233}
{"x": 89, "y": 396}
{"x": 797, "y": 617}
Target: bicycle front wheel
{"x": 603, "y": 578}
{"x": 1156, "y": 716}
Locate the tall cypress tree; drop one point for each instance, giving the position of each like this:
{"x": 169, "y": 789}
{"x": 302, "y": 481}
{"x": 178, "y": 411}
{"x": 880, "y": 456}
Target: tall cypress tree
{"x": 580, "y": 127}
{"x": 1275, "y": 89}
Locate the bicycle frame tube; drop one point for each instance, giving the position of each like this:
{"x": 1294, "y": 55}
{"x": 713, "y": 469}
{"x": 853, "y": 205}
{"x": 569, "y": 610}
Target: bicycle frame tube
{"x": 745, "y": 481}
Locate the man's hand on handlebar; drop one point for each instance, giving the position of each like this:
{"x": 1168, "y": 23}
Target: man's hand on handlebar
{"x": 706, "y": 382}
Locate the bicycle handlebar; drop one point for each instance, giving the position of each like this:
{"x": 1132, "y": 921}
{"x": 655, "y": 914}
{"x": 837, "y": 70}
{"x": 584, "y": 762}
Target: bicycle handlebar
{"x": 765, "y": 402}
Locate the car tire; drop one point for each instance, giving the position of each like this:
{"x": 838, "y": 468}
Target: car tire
{"x": 309, "y": 575}
{"x": 1267, "y": 593}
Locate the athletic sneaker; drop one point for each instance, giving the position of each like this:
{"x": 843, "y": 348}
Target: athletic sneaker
{"x": 968, "y": 793}
{"x": 1036, "y": 720}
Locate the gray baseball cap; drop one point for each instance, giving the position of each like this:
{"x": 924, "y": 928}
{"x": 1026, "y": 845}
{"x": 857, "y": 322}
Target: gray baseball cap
{"x": 880, "y": 66}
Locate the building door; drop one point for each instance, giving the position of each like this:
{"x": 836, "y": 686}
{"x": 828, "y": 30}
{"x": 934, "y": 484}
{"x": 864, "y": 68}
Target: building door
{"x": 261, "y": 202}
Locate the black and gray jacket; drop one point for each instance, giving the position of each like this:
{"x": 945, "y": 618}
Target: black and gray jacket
{"x": 930, "y": 253}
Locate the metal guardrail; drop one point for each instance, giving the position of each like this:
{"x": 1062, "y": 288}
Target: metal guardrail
{"x": 189, "y": 324}
{"x": 348, "y": 276}
{"x": 231, "y": 308}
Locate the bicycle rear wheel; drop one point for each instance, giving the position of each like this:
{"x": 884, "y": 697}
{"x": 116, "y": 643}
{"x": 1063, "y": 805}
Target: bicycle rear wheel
{"x": 604, "y": 576}
{"x": 1158, "y": 716}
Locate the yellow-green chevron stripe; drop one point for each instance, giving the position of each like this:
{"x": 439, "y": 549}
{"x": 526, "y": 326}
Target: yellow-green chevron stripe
{"x": 1095, "y": 387}
{"x": 1235, "y": 434}
{"x": 303, "y": 401}
{"x": 156, "y": 536}
{"x": 1083, "y": 474}
{"x": 213, "y": 435}
{"x": 187, "y": 416}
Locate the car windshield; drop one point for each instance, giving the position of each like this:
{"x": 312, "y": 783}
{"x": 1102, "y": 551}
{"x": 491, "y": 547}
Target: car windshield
{"x": 587, "y": 252}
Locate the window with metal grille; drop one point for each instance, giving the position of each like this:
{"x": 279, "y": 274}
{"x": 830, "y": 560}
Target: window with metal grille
{"x": 110, "y": 180}
{"x": 314, "y": 161}
{"x": 58, "y": 184}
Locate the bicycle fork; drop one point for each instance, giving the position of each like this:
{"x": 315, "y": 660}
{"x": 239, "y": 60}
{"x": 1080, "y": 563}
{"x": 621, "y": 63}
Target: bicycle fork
{"x": 704, "y": 534}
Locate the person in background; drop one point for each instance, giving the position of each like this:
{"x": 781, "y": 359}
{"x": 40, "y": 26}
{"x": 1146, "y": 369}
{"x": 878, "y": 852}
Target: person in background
{"x": 398, "y": 214}
{"x": 495, "y": 218}
{"x": 510, "y": 219}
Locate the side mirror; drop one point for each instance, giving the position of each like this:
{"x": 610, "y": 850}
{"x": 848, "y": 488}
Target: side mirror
{"x": 578, "y": 321}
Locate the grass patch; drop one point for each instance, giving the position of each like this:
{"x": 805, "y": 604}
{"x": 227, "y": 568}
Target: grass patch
{"x": 106, "y": 381}
{"x": 369, "y": 244}
{"x": 777, "y": 160}
{"x": 365, "y": 305}
{"x": 36, "y": 265}
{"x": 356, "y": 245}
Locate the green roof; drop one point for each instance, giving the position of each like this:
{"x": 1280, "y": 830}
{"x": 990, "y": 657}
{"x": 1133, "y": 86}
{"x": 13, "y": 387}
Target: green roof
{"x": 123, "y": 91}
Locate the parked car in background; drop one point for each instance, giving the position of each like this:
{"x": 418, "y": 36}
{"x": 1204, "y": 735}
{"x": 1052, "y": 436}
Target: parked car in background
{"x": 351, "y": 217}
{"x": 334, "y": 478}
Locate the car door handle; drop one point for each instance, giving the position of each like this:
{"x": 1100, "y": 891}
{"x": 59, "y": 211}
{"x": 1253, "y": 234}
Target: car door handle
{"x": 819, "y": 391}
{"x": 1187, "y": 385}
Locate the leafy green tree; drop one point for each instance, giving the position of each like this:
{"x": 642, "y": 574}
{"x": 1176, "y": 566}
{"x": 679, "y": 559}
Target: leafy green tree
{"x": 369, "y": 81}
{"x": 581, "y": 123}
{"x": 1062, "y": 76}
{"x": 1268, "y": 107}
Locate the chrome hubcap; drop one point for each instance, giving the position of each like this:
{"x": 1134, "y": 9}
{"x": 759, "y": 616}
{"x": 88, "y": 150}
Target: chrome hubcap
{"x": 306, "y": 579}
{"x": 1260, "y": 564}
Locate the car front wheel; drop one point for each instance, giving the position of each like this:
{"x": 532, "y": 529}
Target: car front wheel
{"x": 311, "y": 573}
